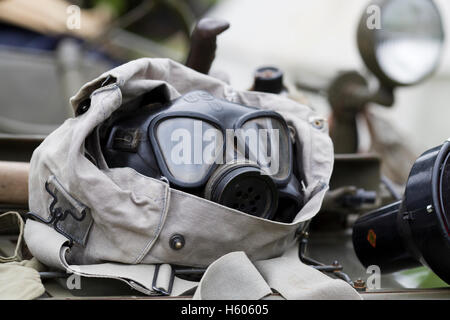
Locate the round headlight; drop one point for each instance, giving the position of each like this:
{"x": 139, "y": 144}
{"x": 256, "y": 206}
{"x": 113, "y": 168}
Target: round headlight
{"x": 405, "y": 45}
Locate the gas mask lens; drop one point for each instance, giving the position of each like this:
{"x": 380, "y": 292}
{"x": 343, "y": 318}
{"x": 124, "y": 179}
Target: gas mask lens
{"x": 189, "y": 147}
{"x": 268, "y": 144}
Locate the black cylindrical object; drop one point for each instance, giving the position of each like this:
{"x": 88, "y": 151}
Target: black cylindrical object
{"x": 245, "y": 188}
{"x": 378, "y": 240}
{"x": 268, "y": 79}
{"x": 416, "y": 230}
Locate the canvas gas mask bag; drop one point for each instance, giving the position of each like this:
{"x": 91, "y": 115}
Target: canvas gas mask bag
{"x": 97, "y": 218}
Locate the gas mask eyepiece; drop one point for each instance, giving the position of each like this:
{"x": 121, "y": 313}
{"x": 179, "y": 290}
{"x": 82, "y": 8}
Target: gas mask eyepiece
{"x": 235, "y": 155}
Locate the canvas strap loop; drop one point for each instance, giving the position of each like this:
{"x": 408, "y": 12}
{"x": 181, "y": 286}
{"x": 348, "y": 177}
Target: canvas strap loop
{"x": 232, "y": 277}
{"x": 11, "y": 223}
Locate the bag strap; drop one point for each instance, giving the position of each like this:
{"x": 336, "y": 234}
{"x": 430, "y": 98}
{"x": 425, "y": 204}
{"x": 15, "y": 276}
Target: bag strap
{"x": 233, "y": 276}
{"x": 230, "y": 277}
{"x": 11, "y": 222}
{"x": 50, "y": 247}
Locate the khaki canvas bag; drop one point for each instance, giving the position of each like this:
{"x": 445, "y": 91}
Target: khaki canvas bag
{"x": 100, "y": 222}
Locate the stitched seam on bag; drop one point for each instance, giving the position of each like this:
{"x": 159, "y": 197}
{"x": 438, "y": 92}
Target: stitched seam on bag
{"x": 113, "y": 86}
{"x": 233, "y": 211}
{"x": 134, "y": 172}
{"x": 310, "y": 154}
{"x": 321, "y": 183}
{"x": 158, "y": 227}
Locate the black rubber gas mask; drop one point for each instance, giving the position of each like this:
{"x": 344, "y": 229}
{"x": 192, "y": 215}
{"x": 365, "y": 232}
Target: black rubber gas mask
{"x": 235, "y": 155}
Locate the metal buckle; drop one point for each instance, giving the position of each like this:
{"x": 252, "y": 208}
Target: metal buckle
{"x": 56, "y": 215}
{"x": 155, "y": 279}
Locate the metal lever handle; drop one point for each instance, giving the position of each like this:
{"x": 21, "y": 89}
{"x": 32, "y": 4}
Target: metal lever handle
{"x": 203, "y": 43}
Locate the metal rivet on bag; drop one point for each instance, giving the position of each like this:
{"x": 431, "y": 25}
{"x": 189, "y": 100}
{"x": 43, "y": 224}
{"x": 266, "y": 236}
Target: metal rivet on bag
{"x": 318, "y": 123}
{"x": 83, "y": 107}
{"x": 177, "y": 242}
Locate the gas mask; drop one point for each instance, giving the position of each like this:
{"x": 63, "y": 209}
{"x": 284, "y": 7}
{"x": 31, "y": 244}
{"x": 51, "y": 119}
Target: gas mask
{"x": 238, "y": 156}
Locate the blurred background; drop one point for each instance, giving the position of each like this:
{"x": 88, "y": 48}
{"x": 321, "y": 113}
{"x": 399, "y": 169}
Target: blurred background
{"x": 45, "y": 57}
{"x": 312, "y": 41}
